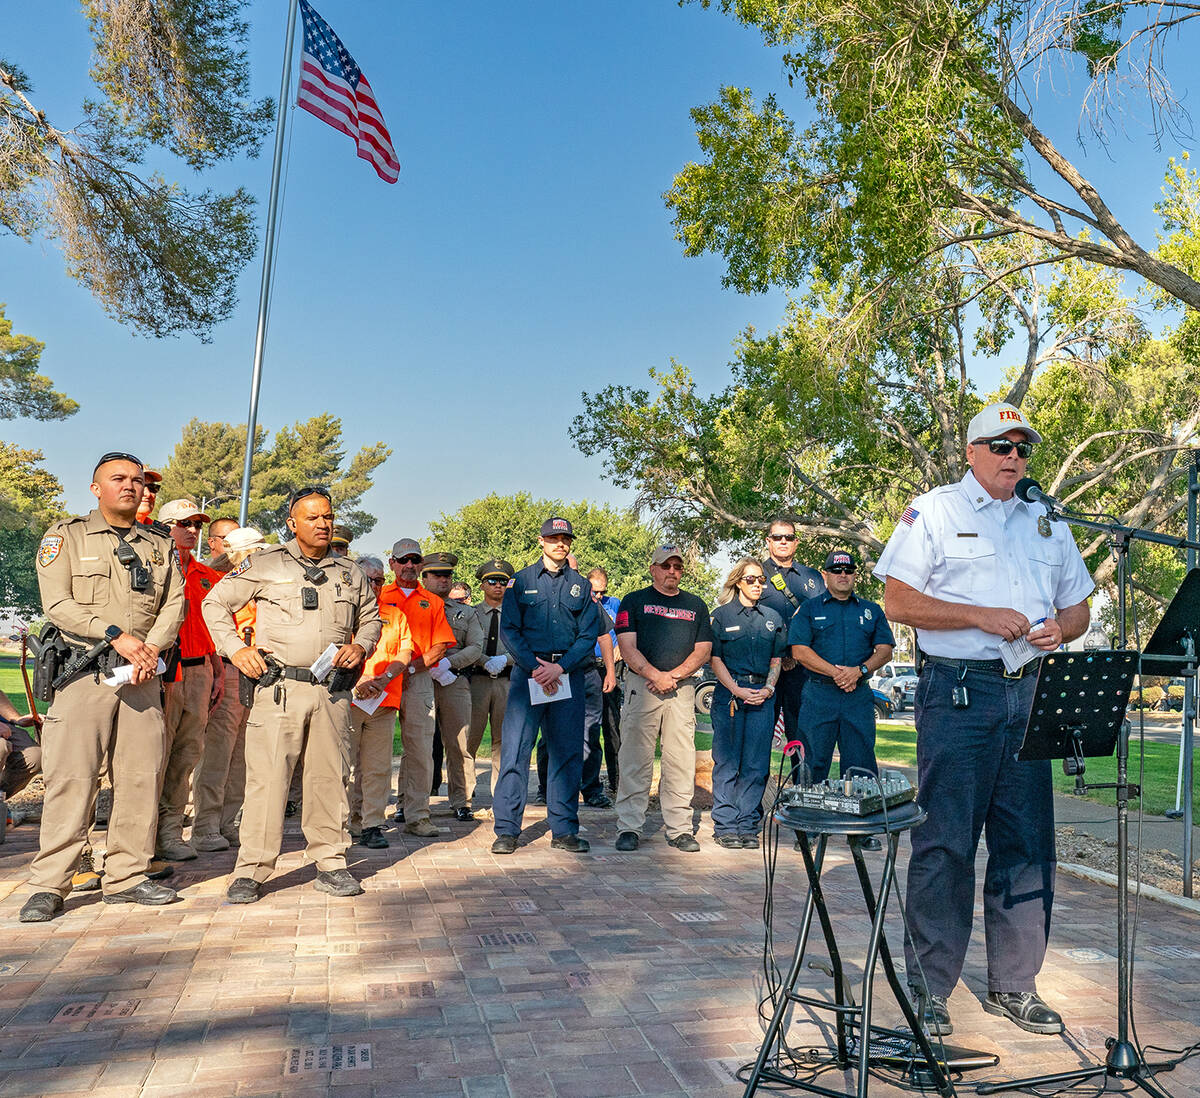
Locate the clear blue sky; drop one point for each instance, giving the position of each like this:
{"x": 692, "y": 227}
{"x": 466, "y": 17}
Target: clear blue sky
{"x": 524, "y": 256}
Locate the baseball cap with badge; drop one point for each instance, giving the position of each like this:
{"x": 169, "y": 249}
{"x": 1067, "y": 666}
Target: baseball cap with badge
{"x": 556, "y": 525}
{"x": 664, "y": 553}
{"x": 841, "y": 558}
{"x": 494, "y": 569}
{"x": 406, "y": 547}
{"x": 178, "y": 510}
{"x": 995, "y": 419}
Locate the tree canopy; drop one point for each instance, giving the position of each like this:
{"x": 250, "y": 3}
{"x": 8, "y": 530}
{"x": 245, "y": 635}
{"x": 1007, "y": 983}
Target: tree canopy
{"x": 206, "y": 466}
{"x": 606, "y": 537}
{"x": 171, "y": 74}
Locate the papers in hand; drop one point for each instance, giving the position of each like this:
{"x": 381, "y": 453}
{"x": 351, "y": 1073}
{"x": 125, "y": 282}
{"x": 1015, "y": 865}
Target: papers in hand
{"x": 538, "y": 696}
{"x": 123, "y": 674}
{"x": 1016, "y": 654}
{"x": 323, "y": 664}
{"x": 369, "y": 705}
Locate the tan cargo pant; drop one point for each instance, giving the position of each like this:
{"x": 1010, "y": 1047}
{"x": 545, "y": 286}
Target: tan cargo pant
{"x": 644, "y": 719}
{"x": 186, "y": 717}
{"x": 454, "y": 726}
{"x": 489, "y": 697}
{"x": 307, "y": 723}
{"x": 370, "y": 765}
{"x": 417, "y": 728}
{"x": 86, "y": 721}
{"x": 220, "y": 782}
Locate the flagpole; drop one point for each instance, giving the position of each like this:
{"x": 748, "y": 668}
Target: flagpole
{"x": 264, "y": 292}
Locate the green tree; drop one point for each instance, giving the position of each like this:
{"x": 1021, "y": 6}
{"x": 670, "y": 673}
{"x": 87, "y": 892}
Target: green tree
{"x": 171, "y": 74}
{"x": 605, "y": 537}
{"x": 927, "y": 135}
{"x": 30, "y": 500}
{"x": 207, "y": 463}
{"x": 23, "y": 391}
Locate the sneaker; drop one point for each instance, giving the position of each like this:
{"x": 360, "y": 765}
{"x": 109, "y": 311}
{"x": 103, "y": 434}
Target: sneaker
{"x": 627, "y": 840}
{"x": 148, "y": 893}
{"x": 1025, "y": 1009}
{"x": 243, "y": 890}
{"x": 539, "y": 797}
{"x": 423, "y": 829}
{"x": 685, "y": 842}
{"x": 86, "y": 878}
{"x": 730, "y": 842}
{"x": 598, "y": 801}
{"x": 750, "y": 842}
{"x": 399, "y": 816}
{"x": 41, "y": 907}
{"x": 573, "y": 843}
{"x": 464, "y": 815}
{"x": 505, "y": 844}
{"x": 373, "y": 838}
{"x": 934, "y": 1014}
{"x": 337, "y": 882}
{"x": 175, "y": 850}
{"x": 210, "y": 843}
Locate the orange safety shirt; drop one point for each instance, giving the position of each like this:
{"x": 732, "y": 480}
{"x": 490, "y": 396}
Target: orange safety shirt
{"x": 426, "y": 615}
{"x": 396, "y": 638}
{"x": 198, "y": 580}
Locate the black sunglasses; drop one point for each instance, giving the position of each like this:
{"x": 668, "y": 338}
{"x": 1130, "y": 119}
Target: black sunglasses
{"x": 781, "y": 537}
{"x": 1005, "y": 446}
{"x": 312, "y": 490}
{"x": 191, "y": 524}
{"x": 841, "y": 570}
{"x": 116, "y": 455}
{"x": 759, "y": 580}
{"x": 495, "y": 581}
{"x": 408, "y": 560}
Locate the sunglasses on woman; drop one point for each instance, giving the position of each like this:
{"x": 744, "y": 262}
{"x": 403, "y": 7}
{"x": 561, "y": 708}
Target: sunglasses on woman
{"x": 758, "y": 580}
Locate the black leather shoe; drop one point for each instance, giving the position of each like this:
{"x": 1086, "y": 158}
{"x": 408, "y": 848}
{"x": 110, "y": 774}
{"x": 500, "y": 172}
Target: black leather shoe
{"x": 243, "y": 890}
{"x": 148, "y": 893}
{"x": 627, "y": 840}
{"x": 598, "y": 801}
{"x": 505, "y": 844}
{"x": 539, "y": 797}
{"x": 750, "y": 842}
{"x": 1025, "y": 1009}
{"x": 465, "y": 815}
{"x": 870, "y": 843}
{"x": 573, "y": 843}
{"x": 337, "y": 882}
{"x": 729, "y": 842}
{"x": 41, "y": 907}
{"x": 373, "y": 837}
{"x": 399, "y": 816}
{"x": 684, "y": 842}
{"x": 933, "y": 1014}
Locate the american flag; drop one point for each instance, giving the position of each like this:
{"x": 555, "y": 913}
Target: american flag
{"x": 910, "y": 515}
{"x": 334, "y": 88}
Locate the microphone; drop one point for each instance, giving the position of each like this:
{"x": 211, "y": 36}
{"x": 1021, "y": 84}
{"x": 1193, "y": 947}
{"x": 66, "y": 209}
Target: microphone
{"x": 1030, "y": 491}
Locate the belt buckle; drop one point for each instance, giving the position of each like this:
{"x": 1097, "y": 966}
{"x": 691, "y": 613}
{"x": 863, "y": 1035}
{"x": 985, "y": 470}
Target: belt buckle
{"x": 1019, "y": 673}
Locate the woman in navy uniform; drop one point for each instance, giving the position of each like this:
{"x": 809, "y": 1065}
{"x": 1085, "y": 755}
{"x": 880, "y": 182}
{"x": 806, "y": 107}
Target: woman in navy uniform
{"x": 749, "y": 640}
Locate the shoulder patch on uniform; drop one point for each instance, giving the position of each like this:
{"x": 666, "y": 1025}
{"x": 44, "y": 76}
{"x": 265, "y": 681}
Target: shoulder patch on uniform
{"x": 241, "y": 567}
{"x": 177, "y": 562}
{"x": 910, "y": 515}
{"x": 49, "y": 549}
{"x": 345, "y": 575}
{"x": 510, "y": 583}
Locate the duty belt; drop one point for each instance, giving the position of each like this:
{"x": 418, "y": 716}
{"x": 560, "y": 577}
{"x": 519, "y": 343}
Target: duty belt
{"x": 300, "y": 674}
{"x": 991, "y": 667}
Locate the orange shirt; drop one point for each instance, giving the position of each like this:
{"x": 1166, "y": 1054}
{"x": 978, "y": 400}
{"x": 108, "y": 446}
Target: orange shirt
{"x": 426, "y": 615}
{"x": 244, "y": 619}
{"x": 396, "y": 638}
{"x": 198, "y": 580}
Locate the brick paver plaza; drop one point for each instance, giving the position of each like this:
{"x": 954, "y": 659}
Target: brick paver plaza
{"x": 460, "y": 973}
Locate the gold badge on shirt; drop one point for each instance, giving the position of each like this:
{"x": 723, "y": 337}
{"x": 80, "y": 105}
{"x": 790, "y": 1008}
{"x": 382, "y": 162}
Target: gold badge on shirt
{"x": 156, "y": 556}
{"x": 1044, "y": 526}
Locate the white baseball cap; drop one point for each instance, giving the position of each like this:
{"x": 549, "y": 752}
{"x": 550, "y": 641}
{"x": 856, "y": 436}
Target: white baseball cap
{"x": 178, "y": 510}
{"x": 244, "y": 537}
{"x": 995, "y": 419}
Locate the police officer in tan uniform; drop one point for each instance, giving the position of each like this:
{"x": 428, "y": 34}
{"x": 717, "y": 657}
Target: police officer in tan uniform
{"x": 306, "y": 600}
{"x": 489, "y": 677}
{"x": 452, "y": 691}
{"x": 105, "y": 576}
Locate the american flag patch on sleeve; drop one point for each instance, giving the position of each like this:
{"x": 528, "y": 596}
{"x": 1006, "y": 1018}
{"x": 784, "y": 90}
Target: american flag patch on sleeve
{"x": 910, "y": 515}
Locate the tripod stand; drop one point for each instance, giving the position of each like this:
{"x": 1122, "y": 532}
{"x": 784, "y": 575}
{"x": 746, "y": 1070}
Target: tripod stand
{"x": 1064, "y": 725}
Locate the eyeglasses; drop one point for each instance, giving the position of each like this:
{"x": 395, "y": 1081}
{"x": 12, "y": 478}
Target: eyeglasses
{"x": 375, "y": 581}
{"x": 496, "y": 581}
{"x": 190, "y": 524}
{"x": 407, "y": 560}
{"x": 757, "y": 580}
{"x": 781, "y": 537}
{"x": 841, "y": 570}
{"x": 1005, "y": 446}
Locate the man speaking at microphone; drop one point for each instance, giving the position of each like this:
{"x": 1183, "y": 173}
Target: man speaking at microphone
{"x": 970, "y": 566}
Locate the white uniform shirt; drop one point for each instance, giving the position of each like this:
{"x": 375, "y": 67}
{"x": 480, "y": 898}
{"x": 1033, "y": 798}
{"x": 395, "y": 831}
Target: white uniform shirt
{"x": 961, "y": 545}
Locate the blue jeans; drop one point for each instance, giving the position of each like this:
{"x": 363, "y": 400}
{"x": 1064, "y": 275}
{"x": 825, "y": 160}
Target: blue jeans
{"x": 562, "y": 727}
{"x": 969, "y": 780}
{"x": 741, "y": 750}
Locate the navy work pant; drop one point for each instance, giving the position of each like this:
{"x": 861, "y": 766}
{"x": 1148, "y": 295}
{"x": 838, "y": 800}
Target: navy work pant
{"x": 832, "y": 718}
{"x": 593, "y": 709}
{"x": 969, "y": 779}
{"x": 741, "y": 750}
{"x": 611, "y": 721}
{"x": 562, "y": 727}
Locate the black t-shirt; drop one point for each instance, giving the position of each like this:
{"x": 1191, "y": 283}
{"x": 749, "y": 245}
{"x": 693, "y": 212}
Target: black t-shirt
{"x": 668, "y": 627}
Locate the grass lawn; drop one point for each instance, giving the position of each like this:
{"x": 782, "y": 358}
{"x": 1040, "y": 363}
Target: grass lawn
{"x": 10, "y": 683}
{"x": 897, "y": 743}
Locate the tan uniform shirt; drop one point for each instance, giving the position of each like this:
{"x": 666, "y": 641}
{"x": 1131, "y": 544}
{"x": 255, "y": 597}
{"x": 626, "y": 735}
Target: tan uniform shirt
{"x": 468, "y": 635}
{"x": 346, "y": 610}
{"x": 484, "y": 613}
{"x": 85, "y": 589}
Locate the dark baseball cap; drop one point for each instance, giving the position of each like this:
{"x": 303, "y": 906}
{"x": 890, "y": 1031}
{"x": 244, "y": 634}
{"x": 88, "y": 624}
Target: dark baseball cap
{"x": 843, "y": 558}
{"x": 557, "y": 525}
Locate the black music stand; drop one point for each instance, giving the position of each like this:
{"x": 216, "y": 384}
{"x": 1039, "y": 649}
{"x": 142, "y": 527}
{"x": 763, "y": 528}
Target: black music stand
{"x": 1078, "y": 712}
{"x": 1174, "y": 642}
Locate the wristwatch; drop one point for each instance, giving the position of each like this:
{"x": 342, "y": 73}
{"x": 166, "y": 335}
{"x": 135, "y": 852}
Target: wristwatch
{"x": 862, "y": 669}
{"x": 113, "y": 632}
